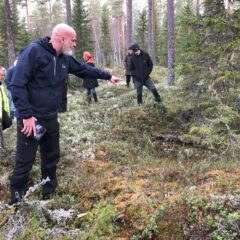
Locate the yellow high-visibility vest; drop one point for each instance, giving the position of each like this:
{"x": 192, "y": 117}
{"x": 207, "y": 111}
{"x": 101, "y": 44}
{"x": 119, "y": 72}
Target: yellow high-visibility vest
{"x": 4, "y": 104}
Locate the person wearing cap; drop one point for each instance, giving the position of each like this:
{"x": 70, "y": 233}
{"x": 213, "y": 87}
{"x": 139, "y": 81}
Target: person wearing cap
{"x": 141, "y": 67}
{"x": 90, "y": 83}
{"x": 127, "y": 61}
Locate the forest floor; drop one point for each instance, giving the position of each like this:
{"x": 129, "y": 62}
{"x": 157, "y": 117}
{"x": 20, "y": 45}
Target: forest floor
{"x": 126, "y": 173}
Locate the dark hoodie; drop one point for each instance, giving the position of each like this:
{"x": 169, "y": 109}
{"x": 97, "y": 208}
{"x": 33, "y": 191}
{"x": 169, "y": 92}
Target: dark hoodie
{"x": 38, "y": 80}
{"x": 141, "y": 66}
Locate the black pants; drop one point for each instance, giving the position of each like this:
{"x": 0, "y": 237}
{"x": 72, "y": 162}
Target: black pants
{"x": 128, "y": 79}
{"x": 150, "y": 85}
{"x": 26, "y": 153}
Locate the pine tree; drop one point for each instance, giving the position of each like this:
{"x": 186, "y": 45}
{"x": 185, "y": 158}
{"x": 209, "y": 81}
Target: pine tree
{"x": 106, "y": 45}
{"x": 171, "y": 43}
{"x": 81, "y": 24}
{"x": 163, "y": 43}
{"x": 118, "y": 31}
{"x": 151, "y": 28}
{"x": 129, "y": 24}
{"x": 20, "y": 35}
{"x": 69, "y": 12}
{"x": 94, "y": 9}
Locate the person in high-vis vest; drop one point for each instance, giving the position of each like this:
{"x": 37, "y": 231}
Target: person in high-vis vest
{"x": 5, "y": 120}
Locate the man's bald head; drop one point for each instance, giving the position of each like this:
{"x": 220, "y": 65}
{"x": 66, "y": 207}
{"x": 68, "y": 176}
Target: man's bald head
{"x": 63, "y": 39}
{"x": 62, "y": 30}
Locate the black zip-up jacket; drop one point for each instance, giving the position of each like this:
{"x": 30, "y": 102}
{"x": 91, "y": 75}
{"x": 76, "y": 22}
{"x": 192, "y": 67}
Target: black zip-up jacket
{"x": 38, "y": 80}
{"x": 90, "y": 82}
{"x": 141, "y": 66}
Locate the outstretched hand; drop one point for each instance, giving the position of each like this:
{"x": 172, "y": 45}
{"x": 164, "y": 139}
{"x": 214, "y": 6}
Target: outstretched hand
{"x": 114, "y": 80}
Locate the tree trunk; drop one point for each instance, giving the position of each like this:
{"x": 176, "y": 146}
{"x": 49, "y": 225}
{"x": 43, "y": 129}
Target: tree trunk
{"x": 151, "y": 43}
{"x": 10, "y": 44}
{"x": 229, "y": 6}
{"x": 198, "y": 8}
{"x": 69, "y": 12}
{"x": 129, "y": 23}
{"x": 171, "y": 43}
{"x": 27, "y": 16}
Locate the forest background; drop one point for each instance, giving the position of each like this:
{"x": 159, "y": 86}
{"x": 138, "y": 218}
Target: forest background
{"x": 168, "y": 171}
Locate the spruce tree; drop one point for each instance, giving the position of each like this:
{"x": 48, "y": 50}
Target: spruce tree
{"x": 210, "y": 70}
{"x": 82, "y": 26}
{"x": 141, "y": 33}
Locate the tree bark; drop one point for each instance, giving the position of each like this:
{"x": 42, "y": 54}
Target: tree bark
{"x": 171, "y": 43}
{"x": 151, "y": 43}
{"x": 129, "y": 23}
{"x": 198, "y": 8}
{"x": 10, "y": 43}
{"x": 27, "y": 16}
{"x": 69, "y": 12}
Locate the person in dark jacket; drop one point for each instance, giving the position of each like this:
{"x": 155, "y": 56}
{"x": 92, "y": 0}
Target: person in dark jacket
{"x": 88, "y": 82}
{"x": 37, "y": 88}
{"x": 141, "y": 67}
{"x": 127, "y": 61}
{"x": 7, "y": 81}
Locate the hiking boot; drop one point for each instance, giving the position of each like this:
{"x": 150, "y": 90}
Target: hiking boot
{"x": 16, "y": 197}
{"x": 13, "y": 201}
{"x": 46, "y": 196}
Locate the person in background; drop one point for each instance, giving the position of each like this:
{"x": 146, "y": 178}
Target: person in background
{"x": 7, "y": 81}
{"x": 37, "y": 88}
{"x": 90, "y": 83}
{"x": 141, "y": 67}
{"x": 127, "y": 62}
{"x": 5, "y": 120}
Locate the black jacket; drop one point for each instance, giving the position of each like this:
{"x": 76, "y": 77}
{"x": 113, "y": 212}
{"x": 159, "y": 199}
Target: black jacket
{"x": 127, "y": 62}
{"x": 141, "y": 66}
{"x": 39, "y": 79}
{"x": 89, "y": 82}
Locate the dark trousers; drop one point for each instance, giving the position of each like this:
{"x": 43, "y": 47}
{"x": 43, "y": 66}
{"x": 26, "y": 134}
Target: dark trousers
{"x": 128, "y": 80}
{"x": 150, "y": 85}
{"x": 91, "y": 91}
{"x": 26, "y": 153}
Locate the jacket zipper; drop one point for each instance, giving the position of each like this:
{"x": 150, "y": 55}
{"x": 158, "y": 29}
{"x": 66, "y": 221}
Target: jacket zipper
{"x": 55, "y": 64}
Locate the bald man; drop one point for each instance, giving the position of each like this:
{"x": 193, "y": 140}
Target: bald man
{"x": 37, "y": 88}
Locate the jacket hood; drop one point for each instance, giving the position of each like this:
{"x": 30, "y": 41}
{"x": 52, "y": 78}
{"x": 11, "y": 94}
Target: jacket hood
{"x": 44, "y": 42}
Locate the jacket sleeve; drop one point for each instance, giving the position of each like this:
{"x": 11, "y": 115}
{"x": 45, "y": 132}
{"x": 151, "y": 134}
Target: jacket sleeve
{"x": 8, "y": 76}
{"x": 83, "y": 70}
{"x": 19, "y": 82}
{"x": 150, "y": 64}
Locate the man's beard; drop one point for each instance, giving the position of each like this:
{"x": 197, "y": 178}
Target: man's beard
{"x": 68, "y": 51}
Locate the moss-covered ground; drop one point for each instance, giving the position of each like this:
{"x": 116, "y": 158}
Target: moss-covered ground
{"x": 120, "y": 180}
